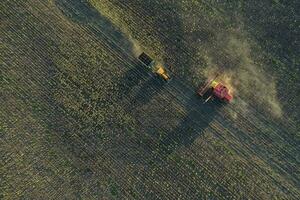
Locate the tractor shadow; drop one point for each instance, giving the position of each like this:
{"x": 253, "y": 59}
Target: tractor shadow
{"x": 138, "y": 81}
{"x": 181, "y": 61}
{"x": 192, "y": 123}
{"x": 135, "y": 86}
{"x": 138, "y": 85}
{"x": 148, "y": 90}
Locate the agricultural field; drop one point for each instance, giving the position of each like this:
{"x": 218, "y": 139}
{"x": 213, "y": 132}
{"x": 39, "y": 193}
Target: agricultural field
{"x": 82, "y": 118}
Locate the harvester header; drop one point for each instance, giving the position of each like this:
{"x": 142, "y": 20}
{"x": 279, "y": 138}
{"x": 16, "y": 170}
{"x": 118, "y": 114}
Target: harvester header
{"x": 212, "y": 88}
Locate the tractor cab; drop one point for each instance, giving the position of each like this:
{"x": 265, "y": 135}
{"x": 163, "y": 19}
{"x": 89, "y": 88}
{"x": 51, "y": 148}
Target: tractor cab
{"x": 154, "y": 66}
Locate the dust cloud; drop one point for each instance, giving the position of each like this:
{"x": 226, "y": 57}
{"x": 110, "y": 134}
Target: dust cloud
{"x": 112, "y": 25}
{"x": 126, "y": 41}
{"x": 245, "y": 78}
{"x": 136, "y": 48}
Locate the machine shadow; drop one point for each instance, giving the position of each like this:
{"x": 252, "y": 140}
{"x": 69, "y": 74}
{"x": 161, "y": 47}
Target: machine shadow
{"x": 180, "y": 60}
{"x": 83, "y": 13}
{"x": 135, "y": 84}
{"x": 138, "y": 86}
{"x": 197, "y": 118}
{"x": 148, "y": 90}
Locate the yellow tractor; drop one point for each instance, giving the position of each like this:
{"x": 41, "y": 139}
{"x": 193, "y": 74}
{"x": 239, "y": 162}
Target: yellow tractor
{"x": 155, "y": 67}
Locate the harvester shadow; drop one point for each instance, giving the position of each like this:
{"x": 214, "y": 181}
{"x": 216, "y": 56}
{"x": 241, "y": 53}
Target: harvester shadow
{"x": 197, "y": 118}
{"x": 138, "y": 86}
{"x": 198, "y": 115}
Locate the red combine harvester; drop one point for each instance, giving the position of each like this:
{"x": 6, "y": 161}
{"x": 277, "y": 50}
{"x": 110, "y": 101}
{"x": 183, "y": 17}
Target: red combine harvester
{"x": 216, "y": 89}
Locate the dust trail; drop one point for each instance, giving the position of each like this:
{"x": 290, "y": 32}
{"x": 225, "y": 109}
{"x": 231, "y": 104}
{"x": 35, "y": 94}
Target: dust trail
{"x": 99, "y": 23}
{"x": 136, "y": 48}
{"x": 229, "y": 51}
{"x": 118, "y": 26}
{"x": 123, "y": 38}
{"x": 243, "y": 76}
